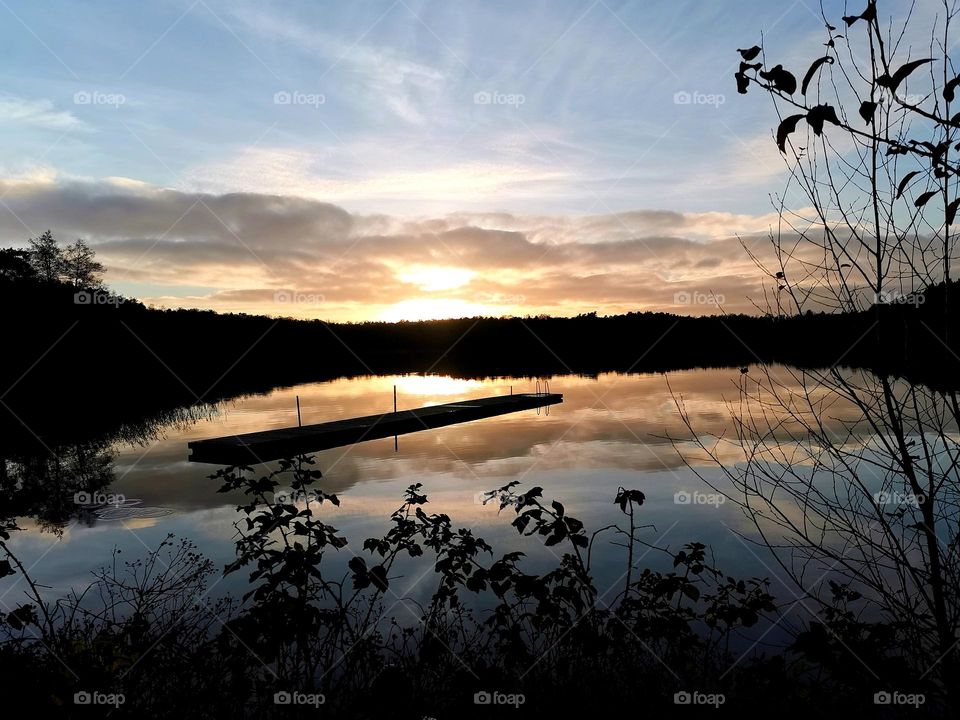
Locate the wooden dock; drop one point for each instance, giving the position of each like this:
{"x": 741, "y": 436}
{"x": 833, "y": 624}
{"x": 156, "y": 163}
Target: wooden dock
{"x": 260, "y": 447}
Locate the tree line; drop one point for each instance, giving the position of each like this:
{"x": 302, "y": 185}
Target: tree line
{"x": 46, "y": 261}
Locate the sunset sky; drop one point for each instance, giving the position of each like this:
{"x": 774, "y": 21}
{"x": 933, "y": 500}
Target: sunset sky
{"x": 398, "y": 160}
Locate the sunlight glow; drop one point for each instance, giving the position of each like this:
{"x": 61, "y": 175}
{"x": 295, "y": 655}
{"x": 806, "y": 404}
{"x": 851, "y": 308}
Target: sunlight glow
{"x": 432, "y": 278}
{"x": 434, "y": 385}
{"x": 433, "y": 309}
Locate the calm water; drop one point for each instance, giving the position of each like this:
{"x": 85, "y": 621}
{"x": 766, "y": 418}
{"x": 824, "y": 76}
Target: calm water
{"x": 610, "y": 431}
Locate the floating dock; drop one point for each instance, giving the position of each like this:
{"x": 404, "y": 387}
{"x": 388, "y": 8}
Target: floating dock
{"x": 260, "y": 447}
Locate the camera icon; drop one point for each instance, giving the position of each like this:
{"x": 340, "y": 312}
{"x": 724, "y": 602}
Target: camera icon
{"x": 282, "y": 698}
{"x": 83, "y": 97}
{"x": 82, "y": 298}
{"x": 682, "y": 698}
{"x": 282, "y": 98}
{"x": 82, "y": 498}
{"x": 482, "y": 698}
{"x": 482, "y": 98}
{"x": 681, "y": 298}
{"x": 882, "y": 698}
{"x": 682, "y": 98}
{"x": 82, "y": 698}
{"x": 682, "y": 497}
{"x": 282, "y": 296}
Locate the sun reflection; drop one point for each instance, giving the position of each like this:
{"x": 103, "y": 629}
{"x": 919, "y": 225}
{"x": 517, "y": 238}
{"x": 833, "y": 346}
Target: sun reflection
{"x": 434, "y": 385}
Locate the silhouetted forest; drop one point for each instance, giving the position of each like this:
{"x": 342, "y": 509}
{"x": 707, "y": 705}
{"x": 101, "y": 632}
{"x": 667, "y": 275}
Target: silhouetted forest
{"x": 76, "y": 350}
{"x": 322, "y": 629}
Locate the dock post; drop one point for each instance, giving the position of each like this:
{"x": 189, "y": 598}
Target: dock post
{"x": 299, "y": 424}
{"x": 394, "y": 398}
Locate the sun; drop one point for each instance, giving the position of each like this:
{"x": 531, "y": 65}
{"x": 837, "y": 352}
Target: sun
{"x": 433, "y": 309}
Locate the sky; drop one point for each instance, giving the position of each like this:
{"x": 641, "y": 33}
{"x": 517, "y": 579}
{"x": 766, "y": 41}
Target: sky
{"x": 399, "y": 159}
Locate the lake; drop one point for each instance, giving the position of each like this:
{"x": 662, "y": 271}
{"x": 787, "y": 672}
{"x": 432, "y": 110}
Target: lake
{"x": 614, "y": 430}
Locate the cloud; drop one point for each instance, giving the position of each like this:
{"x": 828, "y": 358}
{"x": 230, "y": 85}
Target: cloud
{"x": 307, "y": 173}
{"x": 381, "y": 75}
{"x": 36, "y": 113}
{"x": 286, "y": 255}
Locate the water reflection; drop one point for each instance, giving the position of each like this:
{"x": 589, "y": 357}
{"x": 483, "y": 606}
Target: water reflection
{"x": 45, "y": 486}
{"x": 612, "y": 430}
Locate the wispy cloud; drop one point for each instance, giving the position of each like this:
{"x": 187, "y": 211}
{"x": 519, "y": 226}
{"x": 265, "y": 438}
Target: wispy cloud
{"x": 36, "y": 113}
{"x": 337, "y": 175}
{"x": 382, "y": 76}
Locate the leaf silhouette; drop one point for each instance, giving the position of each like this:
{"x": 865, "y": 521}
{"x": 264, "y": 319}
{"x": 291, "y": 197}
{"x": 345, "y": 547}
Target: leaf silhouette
{"x": 903, "y": 183}
{"x": 867, "y": 109}
{"x": 892, "y": 83}
{"x": 939, "y": 149}
{"x": 781, "y": 79}
{"x": 786, "y": 127}
{"x": 924, "y": 198}
{"x": 378, "y": 576}
{"x": 812, "y": 71}
{"x": 950, "y": 88}
{"x": 869, "y": 14}
{"x": 743, "y": 82}
{"x": 952, "y": 210}
{"x": 820, "y": 114}
{"x": 750, "y": 53}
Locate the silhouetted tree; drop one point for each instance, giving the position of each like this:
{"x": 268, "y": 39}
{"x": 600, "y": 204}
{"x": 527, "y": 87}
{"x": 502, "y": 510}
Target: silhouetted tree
{"x": 80, "y": 267}
{"x": 872, "y": 159}
{"x": 849, "y": 476}
{"x": 15, "y": 265}
{"x": 46, "y": 257}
